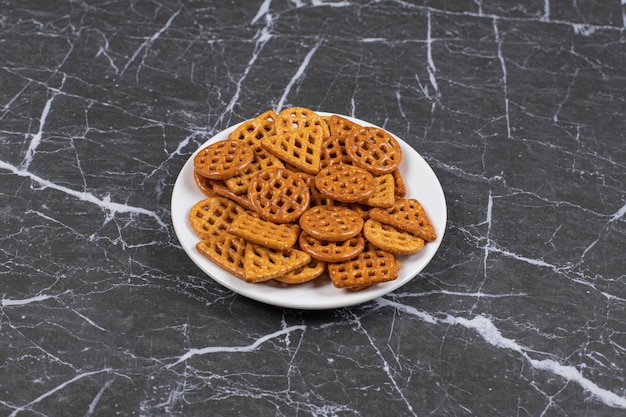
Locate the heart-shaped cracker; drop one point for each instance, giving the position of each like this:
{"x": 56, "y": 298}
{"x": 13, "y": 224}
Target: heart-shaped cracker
{"x": 226, "y": 250}
{"x": 301, "y": 148}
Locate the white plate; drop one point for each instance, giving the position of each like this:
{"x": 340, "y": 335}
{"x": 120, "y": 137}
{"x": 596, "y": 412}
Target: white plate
{"x": 319, "y": 294}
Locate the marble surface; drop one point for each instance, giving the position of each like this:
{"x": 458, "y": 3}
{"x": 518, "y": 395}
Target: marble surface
{"x": 517, "y": 106}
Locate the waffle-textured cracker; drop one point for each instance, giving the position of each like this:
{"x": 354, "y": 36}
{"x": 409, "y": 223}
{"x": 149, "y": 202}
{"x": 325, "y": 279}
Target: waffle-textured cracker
{"x": 391, "y": 239}
{"x": 301, "y": 148}
{"x": 331, "y": 251}
{"x": 225, "y": 250}
{"x": 369, "y": 267}
{"x": 345, "y": 183}
{"x": 213, "y": 214}
{"x": 384, "y": 196}
{"x": 252, "y": 132}
{"x": 374, "y": 149}
{"x": 222, "y": 190}
{"x": 221, "y": 160}
{"x": 331, "y": 223}
{"x": 305, "y": 273}
{"x": 334, "y": 146}
{"x": 278, "y": 195}
{"x": 263, "y": 232}
{"x": 295, "y": 118}
{"x": 340, "y": 127}
{"x": 262, "y": 264}
{"x": 255, "y": 129}
{"x": 408, "y": 215}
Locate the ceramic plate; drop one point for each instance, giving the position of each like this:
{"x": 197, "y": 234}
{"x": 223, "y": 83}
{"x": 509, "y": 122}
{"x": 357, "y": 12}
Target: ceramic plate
{"x": 319, "y": 294}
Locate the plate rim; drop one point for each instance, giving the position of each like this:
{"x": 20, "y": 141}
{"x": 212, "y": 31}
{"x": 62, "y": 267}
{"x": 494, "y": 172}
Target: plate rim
{"x": 347, "y": 299}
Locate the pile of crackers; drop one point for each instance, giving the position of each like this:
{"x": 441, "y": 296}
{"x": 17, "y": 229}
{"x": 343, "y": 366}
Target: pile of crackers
{"x": 294, "y": 194}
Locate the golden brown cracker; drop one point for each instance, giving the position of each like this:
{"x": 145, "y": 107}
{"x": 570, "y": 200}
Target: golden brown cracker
{"x": 295, "y": 118}
{"x": 384, "y": 196}
{"x": 301, "y": 148}
{"x": 221, "y": 160}
{"x": 408, "y": 215}
{"x": 278, "y": 195}
{"x": 225, "y": 250}
{"x": 374, "y": 149}
{"x": 262, "y": 264}
{"x": 263, "y": 232}
{"x": 369, "y": 267}
{"x": 331, "y": 251}
{"x": 213, "y": 214}
{"x": 303, "y": 274}
{"x": 331, "y": 223}
{"x": 390, "y": 239}
{"x": 345, "y": 183}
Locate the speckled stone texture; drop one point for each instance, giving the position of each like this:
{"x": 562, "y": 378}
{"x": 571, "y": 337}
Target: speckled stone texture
{"x": 517, "y": 106}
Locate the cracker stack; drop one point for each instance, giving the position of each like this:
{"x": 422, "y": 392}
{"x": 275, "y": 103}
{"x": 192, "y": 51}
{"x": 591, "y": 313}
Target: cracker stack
{"x": 293, "y": 195}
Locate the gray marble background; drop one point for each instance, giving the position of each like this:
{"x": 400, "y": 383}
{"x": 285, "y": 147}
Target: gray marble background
{"x": 517, "y": 106}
